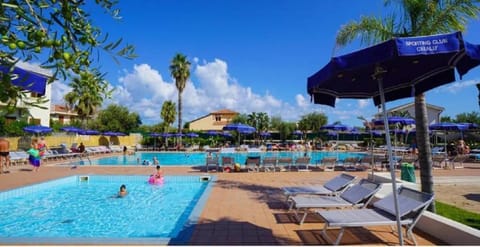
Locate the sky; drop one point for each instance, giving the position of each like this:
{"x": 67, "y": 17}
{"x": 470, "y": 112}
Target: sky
{"x": 246, "y": 56}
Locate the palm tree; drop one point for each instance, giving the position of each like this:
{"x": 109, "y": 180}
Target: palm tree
{"x": 168, "y": 114}
{"x": 180, "y": 70}
{"x": 87, "y": 95}
{"x": 412, "y": 19}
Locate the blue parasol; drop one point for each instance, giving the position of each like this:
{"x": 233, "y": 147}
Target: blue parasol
{"x": 71, "y": 129}
{"x": 395, "y": 120}
{"x": 397, "y": 68}
{"x": 191, "y": 135}
{"x": 37, "y": 129}
{"x": 89, "y": 132}
{"x": 240, "y": 128}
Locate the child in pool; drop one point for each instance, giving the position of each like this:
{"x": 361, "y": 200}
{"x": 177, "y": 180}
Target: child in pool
{"x": 123, "y": 191}
{"x": 159, "y": 173}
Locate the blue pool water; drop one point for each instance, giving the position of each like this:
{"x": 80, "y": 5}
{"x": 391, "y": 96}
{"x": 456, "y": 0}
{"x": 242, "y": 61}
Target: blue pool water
{"x": 198, "y": 158}
{"x": 70, "y": 208}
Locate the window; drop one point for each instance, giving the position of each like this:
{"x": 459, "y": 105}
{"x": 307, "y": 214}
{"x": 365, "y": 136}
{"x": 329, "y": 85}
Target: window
{"x": 218, "y": 118}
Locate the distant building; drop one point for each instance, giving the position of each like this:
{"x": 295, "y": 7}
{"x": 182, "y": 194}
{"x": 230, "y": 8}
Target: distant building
{"x": 62, "y": 114}
{"x": 35, "y": 86}
{"x": 213, "y": 121}
{"x": 433, "y": 112}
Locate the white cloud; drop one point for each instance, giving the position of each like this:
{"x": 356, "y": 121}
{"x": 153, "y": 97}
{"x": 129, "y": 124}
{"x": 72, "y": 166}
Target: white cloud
{"x": 143, "y": 90}
{"x": 301, "y": 101}
{"x": 59, "y": 89}
{"x": 362, "y": 103}
{"x": 456, "y": 87}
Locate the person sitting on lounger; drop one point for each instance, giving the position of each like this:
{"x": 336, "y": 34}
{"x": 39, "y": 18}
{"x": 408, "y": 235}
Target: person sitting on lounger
{"x": 462, "y": 148}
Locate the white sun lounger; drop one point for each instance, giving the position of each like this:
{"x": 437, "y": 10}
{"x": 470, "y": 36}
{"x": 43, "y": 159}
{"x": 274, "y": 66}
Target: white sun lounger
{"x": 332, "y": 187}
{"x": 358, "y": 196}
{"x": 412, "y": 203}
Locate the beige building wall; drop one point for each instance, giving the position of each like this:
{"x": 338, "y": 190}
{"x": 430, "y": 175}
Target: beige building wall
{"x": 205, "y": 123}
{"x": 213, "y": 121}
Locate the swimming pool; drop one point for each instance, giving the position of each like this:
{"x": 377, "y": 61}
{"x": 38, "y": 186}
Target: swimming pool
{"x": 79, "y": 210}
{"x": 198, "y": 158}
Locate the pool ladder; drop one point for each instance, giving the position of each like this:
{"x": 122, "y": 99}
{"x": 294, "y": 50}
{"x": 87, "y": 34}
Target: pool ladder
{"x": 80, "y": 158}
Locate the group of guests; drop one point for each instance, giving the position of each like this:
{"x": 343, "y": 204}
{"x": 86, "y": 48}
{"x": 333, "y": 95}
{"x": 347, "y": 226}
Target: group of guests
{"x": 458, "y": 148}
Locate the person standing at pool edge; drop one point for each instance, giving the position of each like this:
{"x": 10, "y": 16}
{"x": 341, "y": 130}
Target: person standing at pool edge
{"x": 34, "y": 155}
{"x": 4, "y": 153}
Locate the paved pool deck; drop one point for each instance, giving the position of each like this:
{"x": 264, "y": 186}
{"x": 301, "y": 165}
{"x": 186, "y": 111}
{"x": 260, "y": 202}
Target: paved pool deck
{"x": 248, "y": 208}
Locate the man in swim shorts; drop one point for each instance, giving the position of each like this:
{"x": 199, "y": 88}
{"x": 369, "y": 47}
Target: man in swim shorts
{"x": 4, "y": 153}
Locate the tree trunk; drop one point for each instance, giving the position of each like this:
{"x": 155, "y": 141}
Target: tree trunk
{"x": 423, "y": 145}
{"x": 179, "y": 143}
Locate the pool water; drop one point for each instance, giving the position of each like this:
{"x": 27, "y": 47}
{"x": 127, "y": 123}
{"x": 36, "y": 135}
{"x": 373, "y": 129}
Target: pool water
{"x": 198, "y": 158}
{"x": 71, "y": 208}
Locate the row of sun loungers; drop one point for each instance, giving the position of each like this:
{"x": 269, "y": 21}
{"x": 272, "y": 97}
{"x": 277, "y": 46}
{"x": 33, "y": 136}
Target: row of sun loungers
{"x": 377, "y": 162}
{"x": 256, "y": 164}
{"x": 21, "y": 157}
{"x": 354, "y": 200}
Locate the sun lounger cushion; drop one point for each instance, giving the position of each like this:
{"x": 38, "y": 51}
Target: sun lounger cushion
{"x": 339, "y": 182}
{"x": 359, "y": 217}
{"x": 356, "y": 194}
{"x": 307, "y": 190}
{"x": 405, "y": 204}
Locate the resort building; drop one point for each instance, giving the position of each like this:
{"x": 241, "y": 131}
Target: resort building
{"x": 62, "y": 114}
{"x": 34, "y": 83}
{"x": 213, "y": 121}
{"x": 433, "y": 112}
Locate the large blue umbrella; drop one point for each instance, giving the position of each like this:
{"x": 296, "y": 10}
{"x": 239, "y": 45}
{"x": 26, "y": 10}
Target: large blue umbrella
{"x": 89, "y": 132}
{"x": 395, "y": 120}
{"x": 395, "y": 69}
{"x": 448, "y": 127}
{"x": 112, "y": 133}
{"x": 212, "y": 133}
{"x": 240, "y": 128}
{"x": 71, "y": 129}
{"x": 191, "y": 135}
{"x": 336, "y": 127}
{"x": 37, "y": 129}
{"x": 26, "y": 79}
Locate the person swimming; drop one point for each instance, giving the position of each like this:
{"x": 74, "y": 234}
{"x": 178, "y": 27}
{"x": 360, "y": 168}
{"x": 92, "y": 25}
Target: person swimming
{"x": 123, "y": 191}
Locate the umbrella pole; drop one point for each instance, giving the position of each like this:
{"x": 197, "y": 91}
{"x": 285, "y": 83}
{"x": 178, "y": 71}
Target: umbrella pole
{"x": 379, "y": 76}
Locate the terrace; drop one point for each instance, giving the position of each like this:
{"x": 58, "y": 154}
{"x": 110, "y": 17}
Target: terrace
{"x": 248, "y": 209}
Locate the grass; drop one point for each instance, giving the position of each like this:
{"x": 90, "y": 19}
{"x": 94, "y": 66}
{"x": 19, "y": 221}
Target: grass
{"x": 457, "y": 214}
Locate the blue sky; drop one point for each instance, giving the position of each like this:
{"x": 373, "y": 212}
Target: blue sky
{"x": 246, "y": 56}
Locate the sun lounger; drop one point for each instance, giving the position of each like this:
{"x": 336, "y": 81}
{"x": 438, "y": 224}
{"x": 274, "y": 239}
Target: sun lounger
{"x": 366, "y": 162}
{"x": 332, "y": 187}
{"x": 350, "y": 164}
{"x": 358, "y": 195}
{"x": 457, "y": 161}
{"x": 285, "y": 163}
{"x": 269, "y": 164}
{"x": 253, "y": 163}
{"x": 211, "y": 162}
{"x": 328, "y": 163}
{"x": 18, "y": 158}
{"x": 228, "y": 164}
{"x": 412, "y": 203}
{"x": 439, "y": 161}
{"x": 302, "y": 164}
